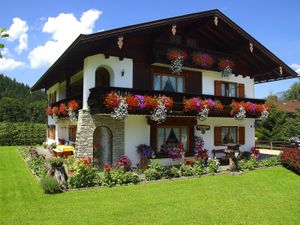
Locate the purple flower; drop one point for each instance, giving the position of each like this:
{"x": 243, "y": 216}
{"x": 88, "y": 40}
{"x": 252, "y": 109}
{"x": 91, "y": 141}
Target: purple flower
{"x": 141, "y": 101}
{"x": 211, "y": 103}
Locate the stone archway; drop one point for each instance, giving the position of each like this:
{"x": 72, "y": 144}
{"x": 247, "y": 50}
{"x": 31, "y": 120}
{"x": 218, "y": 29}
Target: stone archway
{"x": 102, "y": 147}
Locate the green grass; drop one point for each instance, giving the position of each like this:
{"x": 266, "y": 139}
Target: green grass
{"x": 264, "y": 196}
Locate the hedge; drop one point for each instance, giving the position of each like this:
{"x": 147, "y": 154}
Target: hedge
{"x": 290, "y": 158}
{"x": 22, "y": 133}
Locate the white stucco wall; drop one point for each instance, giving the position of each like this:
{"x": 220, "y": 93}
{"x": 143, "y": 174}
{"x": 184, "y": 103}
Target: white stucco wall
{"x": 137, "y": 131}
{"x": 209, "y": 77}
{"x": 114, "y": 65}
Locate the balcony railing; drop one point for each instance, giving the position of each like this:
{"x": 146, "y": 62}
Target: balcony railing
{"x": 98, "y": 94}
{"x": 77, "y": 97}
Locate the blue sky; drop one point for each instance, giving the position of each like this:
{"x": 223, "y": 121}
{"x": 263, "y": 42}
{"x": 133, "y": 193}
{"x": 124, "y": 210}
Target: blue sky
{"x": 41, "y": 30}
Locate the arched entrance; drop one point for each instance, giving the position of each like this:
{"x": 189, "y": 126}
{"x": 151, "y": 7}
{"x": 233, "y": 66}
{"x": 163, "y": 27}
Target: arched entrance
{"x": 102, "y": 147}
{"x": 102, "y": 77}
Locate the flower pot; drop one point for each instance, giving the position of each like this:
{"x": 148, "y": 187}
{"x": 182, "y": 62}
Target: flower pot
{"x": 143, "y": 163}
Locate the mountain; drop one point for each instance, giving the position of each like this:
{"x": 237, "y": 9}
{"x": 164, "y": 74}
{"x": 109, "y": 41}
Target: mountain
{"x": 17, "y": 104}
{"x": 280, "y": 95}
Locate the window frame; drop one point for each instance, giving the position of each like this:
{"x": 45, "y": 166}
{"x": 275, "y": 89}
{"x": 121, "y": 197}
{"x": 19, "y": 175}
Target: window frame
{"x": 169, "y": 75}
{"x": 73, "y": 127}
{"x": 237, "y": 135}
{"x": 51, "y": 132}
{"x": 172, "y": 126}
{"x": 227, "y": 83}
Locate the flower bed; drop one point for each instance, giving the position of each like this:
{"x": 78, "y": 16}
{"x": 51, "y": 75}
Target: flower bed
{"x": 81, "y": 173}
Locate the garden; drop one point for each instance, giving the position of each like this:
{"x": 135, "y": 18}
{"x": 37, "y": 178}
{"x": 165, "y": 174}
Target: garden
{"x": 56, "y": 175}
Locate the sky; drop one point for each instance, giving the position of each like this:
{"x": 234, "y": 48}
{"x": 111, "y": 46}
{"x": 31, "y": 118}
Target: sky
{"x": 40, "y": 31}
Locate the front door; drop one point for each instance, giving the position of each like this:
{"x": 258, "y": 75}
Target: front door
{"x": 102, "y": 152}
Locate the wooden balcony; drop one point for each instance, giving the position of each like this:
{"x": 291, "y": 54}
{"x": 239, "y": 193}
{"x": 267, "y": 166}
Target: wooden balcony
{"x": 97, "y": 96}
{"x": 77, "y": 97}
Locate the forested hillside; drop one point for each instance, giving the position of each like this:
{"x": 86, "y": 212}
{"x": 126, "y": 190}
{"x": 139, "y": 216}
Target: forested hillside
{"x": 17, "y": 104}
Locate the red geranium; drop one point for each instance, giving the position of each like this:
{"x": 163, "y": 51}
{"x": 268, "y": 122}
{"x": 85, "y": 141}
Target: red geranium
{"x": 218, "y": 105}
{"x": 173, "y": 54}
{"x": 63, "y": 109}
{"x": 73, "y": 105}
{"x": 202, "y": 59}
{"x": 49, "y": 111}
{"x": 150, "y": 102}
{"x": 168, "y": 102}
{"x": 55, "y": 110}
{"x": 235, "y": 106}
{"x": 112, "y": 100}
{"x": 107, "y": 168}
{"x": 132, "y": 102}
{"x": 223, "y": 63}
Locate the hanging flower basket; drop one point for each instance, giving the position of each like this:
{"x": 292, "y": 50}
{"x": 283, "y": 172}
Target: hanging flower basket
{"x": 202, "y": 59}
{"x": 239, "y": 110}
{"x": 159, "y": 105}
{"x": 226, "y": 66}
{"x": 176, "y": 56}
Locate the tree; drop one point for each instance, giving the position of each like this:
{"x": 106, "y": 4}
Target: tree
{"x": 292, "y": 126}
{"x": 294, "y": 92}
{"x": 2, "y": 35}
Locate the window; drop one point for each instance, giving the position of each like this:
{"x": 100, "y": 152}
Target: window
{"x": 72, "y": 133}
{"x": 229, "y": 89}
{"x": 171, "y": 135}
{"x": 229, "y": 135}
{"x": 168, "y": 83}
{"x": 52, "y": 97}
{"x": 51, "y": 132}
{"x": 102, "y": 78}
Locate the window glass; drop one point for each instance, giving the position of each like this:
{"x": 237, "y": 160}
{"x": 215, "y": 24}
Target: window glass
{"x": 232, "y": 90}
{"x": 171, "y": 136}
{"x": 160, "y": 138}
{"x": 224, "y": 89}
{"x": 156, "y": 83}
{"x": 168, "y": 83}
{"x": 180, "y": 84}
{"x": 229, "y": 135}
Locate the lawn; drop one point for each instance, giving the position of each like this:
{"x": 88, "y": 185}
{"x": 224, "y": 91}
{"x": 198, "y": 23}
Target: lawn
{"x": 264, "y": 196}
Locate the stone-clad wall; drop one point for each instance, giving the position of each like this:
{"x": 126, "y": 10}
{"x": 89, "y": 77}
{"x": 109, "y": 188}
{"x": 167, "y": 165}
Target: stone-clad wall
{"x": 85, "y": 131}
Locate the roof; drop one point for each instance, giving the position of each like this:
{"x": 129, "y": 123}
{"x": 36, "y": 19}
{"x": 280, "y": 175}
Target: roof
{"x": 71, "y": 61}
{"x": 289, "y": 106}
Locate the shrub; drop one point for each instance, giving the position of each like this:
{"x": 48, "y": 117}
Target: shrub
{"x": 198, "y": 168}
{"x": 37, "y": 162}
{"x": 121, "y": 177}
{"x": 56, "y": 162}
{"x": 172, "y": 172}
{"x": 255, "y": 152}
{"x": 152, "y": 174}
{"x": 245, "y": 155}
{"x": 212, "y": 165}
{"x": 155, "y": 164}
{"x": 21, "y": 133}
{"x": 50, "y": 185}
{"x": 250, "y": 164}
{"x": 186, "y": 170}
{"x": 290, "y": 158}
{"x": 272, "y": 161}
{"x": 84, "y": 174}
{"x": 124, "y": 163}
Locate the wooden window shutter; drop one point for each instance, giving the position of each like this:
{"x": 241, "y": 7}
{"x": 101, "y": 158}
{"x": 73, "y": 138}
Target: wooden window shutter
{"x": 241, "y": 135}
{"x": 241, "y": 90}
{"x": 218, "y": 87}
{"x": 218, "y": 136}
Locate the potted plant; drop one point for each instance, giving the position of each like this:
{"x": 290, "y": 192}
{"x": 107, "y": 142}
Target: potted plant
{"x": 145, "y": 152}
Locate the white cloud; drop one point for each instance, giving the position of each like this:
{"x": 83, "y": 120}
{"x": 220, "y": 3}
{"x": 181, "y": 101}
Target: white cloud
{"x": 10, "y": 64}
{"x": 296, "y": 67}
{"x": 64, "y": 29}
{"x": 18, "y": 31}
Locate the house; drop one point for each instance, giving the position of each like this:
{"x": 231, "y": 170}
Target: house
{"x": 288, "y": 106}
{"x": 199, "y": 69}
